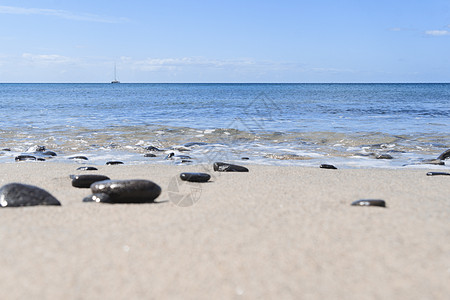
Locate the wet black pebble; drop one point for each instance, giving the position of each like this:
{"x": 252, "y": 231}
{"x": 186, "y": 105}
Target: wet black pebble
{"x": 384, "y": 156}
{"x": 5, "y": 149}
{"x": 85, "y": 181}
{"x": 444, "y": 155}
{"x": 79, "y": 157}
{"x": 49, "y": 153}
{"x": 115, "y": 162}
{"x": 325, "y": 166}
{"x": 25, "y": 157}
{"x": 87, "y": 169}
{"x": 369, "y": 202}
{"x": 195, "y": 177}
{"x": 226, "y": 167}
{"x": 99, "y": 197}
{"x": 169, "y": 156}
{"x": 437, "y": 173}
{"x": 17, "y": 194}
{"x": 128, "y": 191}
{"x": 149, "y": 155}
{"x": 151, "y": 148}
{"x": 245, "y": 158}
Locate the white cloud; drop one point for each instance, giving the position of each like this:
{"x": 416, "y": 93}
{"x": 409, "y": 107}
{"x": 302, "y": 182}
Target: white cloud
{"x": 59, "y": 13}
{"x": 437, "y": 32}
{"x": 47, "y": 58}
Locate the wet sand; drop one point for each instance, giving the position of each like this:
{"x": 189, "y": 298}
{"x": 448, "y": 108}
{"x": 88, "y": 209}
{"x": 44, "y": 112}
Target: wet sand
{"x": 275, "y": 232}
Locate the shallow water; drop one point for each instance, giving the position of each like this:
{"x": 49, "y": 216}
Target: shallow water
{"x": 281, "y": 124}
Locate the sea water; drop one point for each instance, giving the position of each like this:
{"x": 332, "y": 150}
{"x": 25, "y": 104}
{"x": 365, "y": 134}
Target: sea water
{"x": 276, "y": 124}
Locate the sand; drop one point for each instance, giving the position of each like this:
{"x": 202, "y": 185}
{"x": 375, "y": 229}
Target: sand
{"x": 272, "y": 233}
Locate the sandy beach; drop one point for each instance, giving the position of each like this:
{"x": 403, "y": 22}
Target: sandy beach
{"x": 272, "y": 233}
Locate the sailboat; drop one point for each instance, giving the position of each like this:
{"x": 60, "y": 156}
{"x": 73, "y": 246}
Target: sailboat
{"x": 115, "y": 75}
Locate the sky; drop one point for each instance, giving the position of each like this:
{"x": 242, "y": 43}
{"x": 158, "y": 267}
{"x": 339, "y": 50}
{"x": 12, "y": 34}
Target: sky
{"x": 225, "y": 41}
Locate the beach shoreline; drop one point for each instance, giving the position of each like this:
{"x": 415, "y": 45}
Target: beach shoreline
{"x": 285, "y": 232}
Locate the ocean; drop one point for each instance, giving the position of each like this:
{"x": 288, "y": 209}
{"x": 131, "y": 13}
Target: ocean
{"x": 347, "y": 125}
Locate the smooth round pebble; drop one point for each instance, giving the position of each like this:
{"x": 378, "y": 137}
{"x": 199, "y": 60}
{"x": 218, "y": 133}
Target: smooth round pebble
{"x": 326, "y": 166}
{"x": 369, "y": 202}
{"x": 18, "y": 194}
{"x": 85, "y": 181}
{"x": 49, "y": 153}
{"x": 437, "y": 173}
{"x": 149, "y": 155}
{"x": 128, "y": 191}
{"x": 195, "y": 177}
{"x": 384, "y": 156}
{"x": 25, "y": 158}
{"x": 80, "y": 157}
{"x": 115, "y": 162}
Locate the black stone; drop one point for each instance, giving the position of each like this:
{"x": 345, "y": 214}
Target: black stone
{"x": 226, "y": 167}
{"x": 195, "y": 177}
{"x": 437, "y": 173}
{"x": 149, "y": 155}
{"x": 17, "y": 194}
{"x": 384, "y": 156}
{"x": 245, "y": 158}
{"x": 151, "y": 148}
{"x": 195, "y": 144}
{"x": 85, "y": 181}
{"x": 99, "y": 197}
{"x": 5, "y": 149}
{"x": 169, "y": 156}
{"x": 326, "y": 166}
{"x": 87, "y": 169}
{"x": 40, "y": 159}
{"x": 79, "y": 157}
{"x": 444, "y": 155}
{"x": 128, "y": 191}
{"x": 369, "y": 202}
{"x": 25, "y": 157}
{"x": 114, "y": 162}
{"x": 49, "y": 153}
{"x": 183, "y": 161}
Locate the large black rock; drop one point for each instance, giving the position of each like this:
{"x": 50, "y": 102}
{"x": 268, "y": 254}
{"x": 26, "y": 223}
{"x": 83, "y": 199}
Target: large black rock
{"x": 128, "y": 191}
{"x": 85, "y": 181}
{"x": 226, "y": 167}
{"x": 17, "y": 194}
{"x": 444, "y": 155}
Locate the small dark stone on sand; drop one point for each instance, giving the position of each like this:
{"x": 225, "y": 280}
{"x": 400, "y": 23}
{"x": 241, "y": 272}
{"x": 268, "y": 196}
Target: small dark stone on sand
{"x": 151, "y": 148}
{"x": 128, "y": 191}
{"x": 369, "y": 202}
{"x": 149, "y": 155}
{"x": 384, "y": 156}
{"x": 49, "y": 153}
{"x": 444, "y": 155}
{"x": 185, "y": 161}
{"x": 99, "y": 197}
{"x": 195, "y": 177}
{"x": 195, "y": 144}
{"x": 5, "y": 149}
{"x": 226, "y": 167}
{"x": 437, "y": 162}
{"x": 245, "y": 158}
{"x": 40, "y": 159}
{"x": 325, "y": 166}
{"x": 85, "y": 181}
{"x": 87, "y": 169}
{"x": 17, "y": 194}
{"x": 169, "y": 156}
{"x": 437, "y": 173}
{"x": 79, "y": 157}
{"x": 115, "y": 162}
{"x": 25, "y": 157}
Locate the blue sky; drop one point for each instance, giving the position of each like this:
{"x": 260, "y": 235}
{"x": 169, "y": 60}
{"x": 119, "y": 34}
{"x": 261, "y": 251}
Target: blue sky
{"x": 225, "y": 41}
